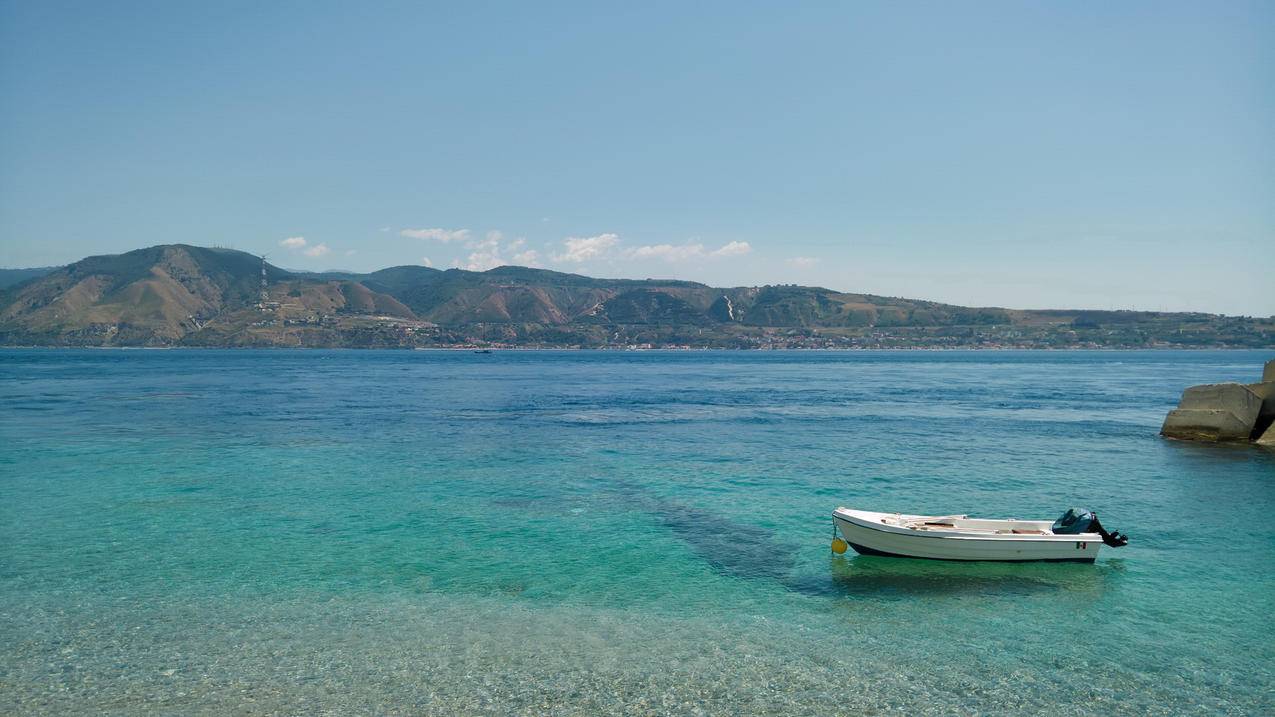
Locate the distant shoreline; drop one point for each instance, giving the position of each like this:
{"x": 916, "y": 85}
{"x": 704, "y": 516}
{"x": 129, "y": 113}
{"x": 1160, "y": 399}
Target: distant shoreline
{"x": 595, "y": 349}
{"x": 184, "y": 296}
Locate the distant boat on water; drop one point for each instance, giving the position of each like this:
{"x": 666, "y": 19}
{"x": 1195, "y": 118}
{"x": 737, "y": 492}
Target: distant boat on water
{"x": 482, "y": 351}
{"x": 1075, "y": 537}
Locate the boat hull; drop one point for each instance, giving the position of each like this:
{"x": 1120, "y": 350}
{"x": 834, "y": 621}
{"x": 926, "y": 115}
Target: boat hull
{"x": 891, "y": 541}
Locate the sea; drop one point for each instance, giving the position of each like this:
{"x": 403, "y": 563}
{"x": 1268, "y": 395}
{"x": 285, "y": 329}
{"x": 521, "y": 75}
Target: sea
{"x": 593, "y": 533}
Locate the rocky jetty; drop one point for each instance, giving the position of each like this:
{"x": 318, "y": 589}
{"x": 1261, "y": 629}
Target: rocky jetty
{"x": 1226, "y": 412}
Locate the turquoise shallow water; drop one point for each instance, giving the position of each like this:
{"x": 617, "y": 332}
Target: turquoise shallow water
{"x": 588, "y": 533}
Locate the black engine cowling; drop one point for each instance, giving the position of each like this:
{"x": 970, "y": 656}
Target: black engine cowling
{"x": 1078, "y": 520}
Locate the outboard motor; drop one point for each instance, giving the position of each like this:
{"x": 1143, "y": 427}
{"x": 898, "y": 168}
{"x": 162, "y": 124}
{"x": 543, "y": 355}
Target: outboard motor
{"x": 1078, "y": 520}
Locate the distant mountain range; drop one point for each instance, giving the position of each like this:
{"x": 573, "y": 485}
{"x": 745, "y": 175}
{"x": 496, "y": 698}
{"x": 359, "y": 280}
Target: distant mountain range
{"x": 10, "y": 277}
{"x": 179, "y": 295}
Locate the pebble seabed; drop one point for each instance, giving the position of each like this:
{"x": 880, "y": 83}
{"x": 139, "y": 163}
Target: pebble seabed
{"x": 426, "y": 655}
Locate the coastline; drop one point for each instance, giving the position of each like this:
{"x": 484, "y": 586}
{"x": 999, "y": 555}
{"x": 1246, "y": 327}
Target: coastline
{"x": 654, "y": 349}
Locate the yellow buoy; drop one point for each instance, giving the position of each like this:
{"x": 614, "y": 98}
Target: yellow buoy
{"x": 839, "y": 546}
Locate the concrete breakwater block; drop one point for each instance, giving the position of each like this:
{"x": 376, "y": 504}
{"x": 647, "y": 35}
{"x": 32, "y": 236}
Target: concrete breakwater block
{"x": 1267, "y": 438}
{"x": 1266, "y": 392}
{"x": 1234, "y": 397}
{"x": 1214, "y": 412}
{"x": 1205, "y": 424}
{"x": 1226, "y": 412}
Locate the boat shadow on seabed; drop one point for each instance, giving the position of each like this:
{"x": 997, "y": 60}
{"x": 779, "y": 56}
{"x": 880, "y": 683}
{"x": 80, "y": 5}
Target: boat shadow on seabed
{"x": 742, "y": 551}
{"x": 756, "y": 553}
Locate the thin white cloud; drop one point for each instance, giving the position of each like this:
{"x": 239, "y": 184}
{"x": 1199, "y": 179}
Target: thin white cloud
{"x": 489, "y": 252}
{"x": 668, "y": 252}
{"x": 735, "y": 248}
{"x": 480, "y": 262}
{"x": 425, "y": 260}
{"x": 486, "y": 255}
{"x": 317, "y": 250}
{"x": 351, "y": 252}
{"x": 802, "y": 262}
{"x": 581, "y": 249}
{"x": 293, "y": 242}
{"x": 443, "y": 235}
{"x": 531, "y": 258}
{"x": 674, "y": 253}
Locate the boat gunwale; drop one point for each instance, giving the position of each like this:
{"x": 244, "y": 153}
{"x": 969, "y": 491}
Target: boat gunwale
{"x": 873, "y": 552}
{"x": 848, "y": 515}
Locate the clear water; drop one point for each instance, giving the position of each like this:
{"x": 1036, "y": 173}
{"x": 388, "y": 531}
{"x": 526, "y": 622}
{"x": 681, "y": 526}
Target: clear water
{"x": 588, "y": 533}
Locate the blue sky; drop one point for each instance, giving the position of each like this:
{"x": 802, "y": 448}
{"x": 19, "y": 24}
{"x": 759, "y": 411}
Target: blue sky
{"x": 1014, "y": 154}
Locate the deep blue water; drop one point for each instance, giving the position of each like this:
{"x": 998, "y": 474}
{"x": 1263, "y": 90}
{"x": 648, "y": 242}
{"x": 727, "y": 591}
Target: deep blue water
{"x": 583, "y": 533}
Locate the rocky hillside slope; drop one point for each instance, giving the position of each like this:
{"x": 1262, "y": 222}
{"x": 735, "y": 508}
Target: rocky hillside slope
{"x": 186, "y": 295}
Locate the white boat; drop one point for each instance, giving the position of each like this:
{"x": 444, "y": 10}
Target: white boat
{"x": 1076, "y": 537}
